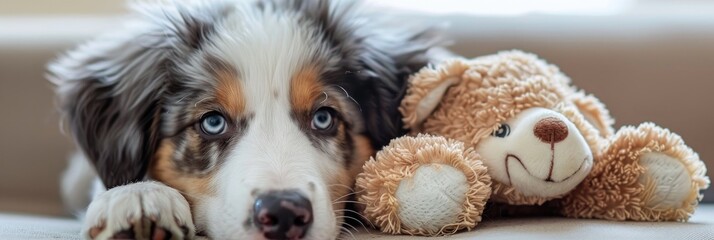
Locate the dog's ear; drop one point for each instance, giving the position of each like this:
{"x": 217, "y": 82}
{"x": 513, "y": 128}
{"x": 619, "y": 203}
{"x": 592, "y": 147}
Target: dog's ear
{"x": 387, "y": 67}
{"x": 379, "y": 55}
{"x": 390, "y": 63}
{"x": 110, "y": 89}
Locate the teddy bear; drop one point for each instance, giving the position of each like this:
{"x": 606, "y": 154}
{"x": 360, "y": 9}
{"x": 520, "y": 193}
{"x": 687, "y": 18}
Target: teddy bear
{"x": 511, "y": 129}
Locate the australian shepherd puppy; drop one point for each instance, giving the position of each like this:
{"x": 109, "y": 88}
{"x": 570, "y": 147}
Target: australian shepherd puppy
{"x": 231, "y": 119}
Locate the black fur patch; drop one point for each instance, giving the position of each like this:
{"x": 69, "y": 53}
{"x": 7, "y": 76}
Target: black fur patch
{"x": 374, "y": 71}
{"x": 111, "y": 89}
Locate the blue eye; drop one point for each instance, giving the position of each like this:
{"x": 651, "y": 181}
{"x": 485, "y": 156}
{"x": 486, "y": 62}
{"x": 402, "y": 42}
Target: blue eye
{"x": 502, "y": 131}
{"x": 213, "y": 124}
{"x": 322, "y": 119}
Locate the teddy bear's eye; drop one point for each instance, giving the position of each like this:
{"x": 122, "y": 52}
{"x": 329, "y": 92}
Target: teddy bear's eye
{"x": 502, "y": 131}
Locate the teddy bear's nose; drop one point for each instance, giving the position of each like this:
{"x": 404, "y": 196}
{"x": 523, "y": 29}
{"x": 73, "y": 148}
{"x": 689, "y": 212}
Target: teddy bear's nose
{"x": 551, "y": 130}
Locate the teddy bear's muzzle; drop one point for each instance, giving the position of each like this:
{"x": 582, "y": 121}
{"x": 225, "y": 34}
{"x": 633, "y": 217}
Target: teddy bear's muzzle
{"x": 542, "y": 153}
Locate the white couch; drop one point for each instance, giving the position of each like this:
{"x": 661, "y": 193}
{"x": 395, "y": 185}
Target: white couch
{"x": 700, "y": 226}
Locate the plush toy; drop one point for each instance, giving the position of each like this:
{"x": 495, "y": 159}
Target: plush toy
{"x": 509, "y": 128}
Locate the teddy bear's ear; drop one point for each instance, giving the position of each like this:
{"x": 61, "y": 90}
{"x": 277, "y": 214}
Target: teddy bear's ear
{"x": 431, "y": 100}
{"x": 426, "y": 90}
{"x": 594, "y": 112}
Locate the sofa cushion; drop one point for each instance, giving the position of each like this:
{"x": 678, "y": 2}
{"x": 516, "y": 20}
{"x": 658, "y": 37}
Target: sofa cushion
{"x": 700, "y": 226}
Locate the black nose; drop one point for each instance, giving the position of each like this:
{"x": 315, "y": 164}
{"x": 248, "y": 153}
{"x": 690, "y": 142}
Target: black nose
{"x": 282, "y": 214}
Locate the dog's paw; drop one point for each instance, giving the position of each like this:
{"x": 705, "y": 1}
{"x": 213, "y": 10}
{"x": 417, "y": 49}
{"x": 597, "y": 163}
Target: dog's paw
{"x": 145, "y": 210}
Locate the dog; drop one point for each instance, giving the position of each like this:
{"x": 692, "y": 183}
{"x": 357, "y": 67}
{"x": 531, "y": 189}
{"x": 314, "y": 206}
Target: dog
{"x": 230, "y": 119}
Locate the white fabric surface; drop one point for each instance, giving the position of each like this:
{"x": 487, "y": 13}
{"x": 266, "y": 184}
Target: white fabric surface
{"x": 701, "y": 226}
{"x": 37, "y": 227}
{"x": 420, "y": 210}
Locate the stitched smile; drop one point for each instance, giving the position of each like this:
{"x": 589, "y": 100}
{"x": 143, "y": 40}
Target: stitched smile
{"x": 549, "y": 179}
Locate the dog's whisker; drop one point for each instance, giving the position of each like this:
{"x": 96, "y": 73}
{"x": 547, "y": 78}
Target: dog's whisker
{"x": 371, "y": 225}
{"x": 358, "y": 221}
{"x": 337, "y": 200}
{"x": 360, "y": 215}
{"x": 352, "y": 227}
{"x": 346, "y": 201}
{"x": 346, "y": 195}
{"x": 344, "y": 217}
{"x": 339, "y": 185}
{"x": 350, "y": 97}
{"x": 326, "y": 97}
{"x": 345, "y": 230}
{"x": 200, "y": 101}
{"x": 182, "y": 98}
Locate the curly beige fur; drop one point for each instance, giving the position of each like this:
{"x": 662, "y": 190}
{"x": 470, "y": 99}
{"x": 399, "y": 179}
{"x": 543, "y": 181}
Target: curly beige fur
{"x": 399, "y": 160}
{"x": 612, "y": 190}
{"x": 486, "y": 91}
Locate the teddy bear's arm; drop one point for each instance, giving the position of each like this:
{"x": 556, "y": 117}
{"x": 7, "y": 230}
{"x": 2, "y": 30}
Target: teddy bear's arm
{"x": 646, "y": 174}
{"x": 424, "y": 185}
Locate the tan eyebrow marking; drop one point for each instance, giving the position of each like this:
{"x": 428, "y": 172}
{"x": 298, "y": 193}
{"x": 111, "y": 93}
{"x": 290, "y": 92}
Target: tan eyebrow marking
{"x": 305, "y": 88}
{"x": 229, "y": 93}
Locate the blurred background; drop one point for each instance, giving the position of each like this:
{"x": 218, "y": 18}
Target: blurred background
{"x": 646, "y": 60}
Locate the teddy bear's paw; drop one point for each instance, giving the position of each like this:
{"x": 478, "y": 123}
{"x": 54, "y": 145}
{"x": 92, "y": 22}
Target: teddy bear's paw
{"x": 670, "y": 172}
{"x": 424, "y": 185}
{"x": 432, "y": 197}
{"x": 667, "y": 181}
{"x": 144, "y": 210}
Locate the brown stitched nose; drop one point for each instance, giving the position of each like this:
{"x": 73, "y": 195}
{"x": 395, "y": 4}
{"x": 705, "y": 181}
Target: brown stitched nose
{"x": 551, "y": 130}
{"x": 282, "y": 214}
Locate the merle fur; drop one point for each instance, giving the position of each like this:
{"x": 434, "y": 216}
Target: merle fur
{"x": 114, "y": 91}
